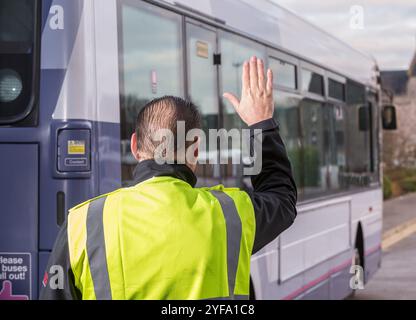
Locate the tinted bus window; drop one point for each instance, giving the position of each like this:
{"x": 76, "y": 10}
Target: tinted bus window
{"x": 17, "y": 58}
{"x": 287, "y": 113}
{"x": 285, "y": 73}
{"x": 337, "y": 146}
{"x": 336, "y": 90}
{"x": 312, "y": 82}
{"x": 359, "y": 143}
{"x": 150, "y": 63}
{"x": 234, "y": 51}
{"x": 315, "y": 145}
{"x": 375, "y": 127}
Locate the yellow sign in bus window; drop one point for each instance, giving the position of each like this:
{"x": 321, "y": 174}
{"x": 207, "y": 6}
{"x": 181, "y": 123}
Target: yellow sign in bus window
{"x": 76, "y": 147}
{"x": 202, "y": 49}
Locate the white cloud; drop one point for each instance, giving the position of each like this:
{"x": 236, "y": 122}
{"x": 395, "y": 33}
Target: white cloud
{"x": 389, "y": 32}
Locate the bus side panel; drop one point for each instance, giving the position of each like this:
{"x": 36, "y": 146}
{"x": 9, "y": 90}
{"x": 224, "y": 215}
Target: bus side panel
{"x": 19, "y": 220}
{"x": 373, "y": 263}
{"x": 43, "y": 259}
{"x": 108, "y": 95}
{"x": 367, "y": 209}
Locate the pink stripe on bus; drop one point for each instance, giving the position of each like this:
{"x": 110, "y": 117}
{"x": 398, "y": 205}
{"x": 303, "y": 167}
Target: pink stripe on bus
{"x": 327, "y": 275}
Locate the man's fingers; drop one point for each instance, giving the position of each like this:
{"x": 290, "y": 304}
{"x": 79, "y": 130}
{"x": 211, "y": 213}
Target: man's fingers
{"x": 260, "y": 74}
{"x": 233, "y": 99}
{"x": 246, "y": 76}
{"x": 269, "y": 85}
{"x": 253, "y": 74}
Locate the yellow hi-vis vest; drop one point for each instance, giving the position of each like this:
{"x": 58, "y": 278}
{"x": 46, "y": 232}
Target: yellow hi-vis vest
{"x": 163, "y": 239}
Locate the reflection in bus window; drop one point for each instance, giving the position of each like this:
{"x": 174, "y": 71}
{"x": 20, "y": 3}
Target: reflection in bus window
{"x": 234, "y": 51}
{"x": 151, "y": 66}
{"x": 336, "y": 90}
{"x": 17, "y": 60}
{"x": 203, "y": 91}
{"x": 17, "y": 21}
{"x": 285, "y": 73}
{"x": 375, "y": 126}
{"x": 288, "y": 116}
{"x": 358, "y": 146}
{"x": 337, "y": 146}
{"x": 312, "y": 82}
{"x": 315, "y": 147}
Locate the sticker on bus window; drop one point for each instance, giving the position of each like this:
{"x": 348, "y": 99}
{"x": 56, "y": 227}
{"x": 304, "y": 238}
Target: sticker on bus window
{"x": 339, "y": 115}
{"x": 202, "y": 49}
{"x": 76, "y": 147}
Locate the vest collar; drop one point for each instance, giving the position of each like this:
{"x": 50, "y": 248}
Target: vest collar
{"x": 148, "y": 169}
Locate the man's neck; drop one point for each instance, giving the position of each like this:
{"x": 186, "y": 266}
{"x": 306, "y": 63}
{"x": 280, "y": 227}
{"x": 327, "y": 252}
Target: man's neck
{"x": 149, "y": 168}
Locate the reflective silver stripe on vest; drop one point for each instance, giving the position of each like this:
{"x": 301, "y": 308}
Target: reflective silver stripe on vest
{"x": 234, "y": 231}
{"x": 96, "y": 250}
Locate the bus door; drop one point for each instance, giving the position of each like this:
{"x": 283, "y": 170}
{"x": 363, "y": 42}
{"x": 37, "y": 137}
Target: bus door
{"x": 374, "y": 126}
{"x": 335, "y": 145}
{"x": 202, "y": 85}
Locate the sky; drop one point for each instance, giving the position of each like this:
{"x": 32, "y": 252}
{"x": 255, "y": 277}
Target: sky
{"x": 385, "y": 29}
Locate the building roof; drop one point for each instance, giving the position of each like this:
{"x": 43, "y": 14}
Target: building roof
{"x": 395, "y": 81}
{"x": 412, "y": 68}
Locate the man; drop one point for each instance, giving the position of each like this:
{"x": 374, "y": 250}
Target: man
{"x": 165, "y": 239}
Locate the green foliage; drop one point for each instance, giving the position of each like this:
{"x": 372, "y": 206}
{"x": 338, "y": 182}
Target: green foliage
{"x": 400, "y": 173}
{"x": 408, "y": 184}
{"x": 305, "y": 162}
{"x": 399, "y": 181}
{"x": 387, "y": 187}
{"x": 311, "y": 158}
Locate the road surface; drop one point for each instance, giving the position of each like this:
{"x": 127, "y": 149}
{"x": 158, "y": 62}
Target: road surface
{"x": 396, "y": 278}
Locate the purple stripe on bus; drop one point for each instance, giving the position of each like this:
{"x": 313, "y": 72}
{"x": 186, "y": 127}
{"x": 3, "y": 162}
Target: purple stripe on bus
{"x": 327, "y": 275}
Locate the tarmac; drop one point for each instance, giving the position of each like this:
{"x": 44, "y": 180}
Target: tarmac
{"x": 396, "y": 279}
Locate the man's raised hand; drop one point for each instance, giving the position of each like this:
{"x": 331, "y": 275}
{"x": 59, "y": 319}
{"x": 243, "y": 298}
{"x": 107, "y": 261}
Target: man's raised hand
{"x": 256, "y": 103}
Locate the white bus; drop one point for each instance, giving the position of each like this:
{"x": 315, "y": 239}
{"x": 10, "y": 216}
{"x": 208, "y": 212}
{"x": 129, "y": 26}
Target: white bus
{"x": 81, "y": 70}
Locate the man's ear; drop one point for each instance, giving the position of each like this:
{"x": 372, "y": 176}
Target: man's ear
{"x": 133, "y": 147}
{"x": 196, "y": 150}
{"x": 192, "y": 154}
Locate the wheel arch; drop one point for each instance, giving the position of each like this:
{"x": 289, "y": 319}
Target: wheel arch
{"x": 359, "y": 243}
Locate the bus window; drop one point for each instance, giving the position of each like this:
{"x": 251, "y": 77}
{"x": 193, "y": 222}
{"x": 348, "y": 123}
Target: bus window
{"x": 150, "y": 44}
{"x": 203, "y": 91}
{"x": 315, "y": 144}
{"x": 234, "y": 51}
{"x": 285, "y": 73}
{"x": 375, "y": 128}
{"x": 312, "y": 82}
{"x": 18, "y": 56}
{"x": 337, "y": 146}
{"x": 336, "y": 90}
{"x": 287, "y": 114}
{"x": 359, "y": 141}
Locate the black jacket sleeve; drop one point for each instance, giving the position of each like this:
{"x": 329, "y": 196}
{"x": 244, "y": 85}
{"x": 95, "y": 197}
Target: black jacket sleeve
{"x": 274, "y": 192}
{"x": 58, "y": 281}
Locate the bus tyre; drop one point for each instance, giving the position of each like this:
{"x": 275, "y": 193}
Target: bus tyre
{"x": 252, "y": 292}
